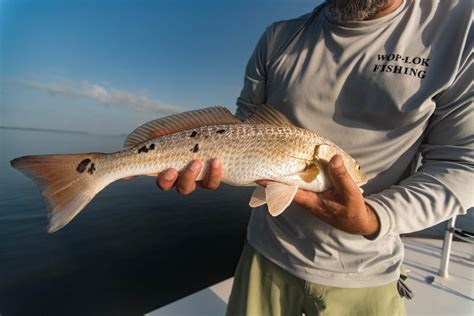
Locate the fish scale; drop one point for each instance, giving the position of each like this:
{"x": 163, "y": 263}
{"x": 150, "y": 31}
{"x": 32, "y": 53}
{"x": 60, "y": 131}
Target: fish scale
{"x": 248, "y": 153}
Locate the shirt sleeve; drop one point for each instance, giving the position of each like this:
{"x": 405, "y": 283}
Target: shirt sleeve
{"x": 254, "y": 91}
{"x": 443, "y": 186}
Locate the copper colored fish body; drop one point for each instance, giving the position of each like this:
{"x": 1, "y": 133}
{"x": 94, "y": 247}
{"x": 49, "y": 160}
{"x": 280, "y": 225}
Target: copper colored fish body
{"x": 265, "y": 146}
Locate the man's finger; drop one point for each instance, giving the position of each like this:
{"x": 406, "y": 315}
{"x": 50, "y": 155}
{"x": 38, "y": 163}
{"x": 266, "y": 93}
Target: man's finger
{"x": 214, "y": 176}
{"x": 187, "y": 181}
{"x": 167, "y": 179}
{"x": 340, "y": 177}
{"x": 263, "y": 183}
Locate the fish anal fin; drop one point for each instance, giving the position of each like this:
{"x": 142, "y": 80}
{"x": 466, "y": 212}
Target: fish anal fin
{"x": 178, "y": 122}
{"x": 266, "y": 114}
{"x": 258, "y": 197}
{"x": 310, "y": 173}
{"x": 279, "y": 196}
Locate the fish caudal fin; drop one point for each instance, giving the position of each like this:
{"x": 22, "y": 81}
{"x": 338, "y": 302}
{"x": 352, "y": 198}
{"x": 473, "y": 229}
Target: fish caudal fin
{"x": 67, "y": 182}
{"x": 277, "y": 196}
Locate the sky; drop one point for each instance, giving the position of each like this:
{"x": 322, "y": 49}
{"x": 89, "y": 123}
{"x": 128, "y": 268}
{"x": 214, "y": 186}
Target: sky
{"x": 107, "y": 66}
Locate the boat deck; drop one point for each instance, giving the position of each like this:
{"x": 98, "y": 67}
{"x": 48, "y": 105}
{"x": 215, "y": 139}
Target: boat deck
{"x": 434, "y": 295}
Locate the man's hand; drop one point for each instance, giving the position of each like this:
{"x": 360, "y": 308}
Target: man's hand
{"x": 342, "y": 206}
{"x": 185, "y": 182}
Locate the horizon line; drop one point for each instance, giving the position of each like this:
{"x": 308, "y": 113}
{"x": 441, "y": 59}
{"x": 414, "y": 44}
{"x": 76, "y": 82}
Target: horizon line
{"x": 51, "y": 130}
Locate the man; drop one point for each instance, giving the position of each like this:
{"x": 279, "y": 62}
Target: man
{"x": 385, "y": 80}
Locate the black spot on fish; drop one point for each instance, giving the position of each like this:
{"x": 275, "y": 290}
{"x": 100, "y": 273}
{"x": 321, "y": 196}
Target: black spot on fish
{"x": 143, "y": 149}
{"x": 81, "y": 167}
{"x": 195, "y": 149}
{"x": 358, "y": 167}
{"x": 193, "y": 134}
{"x": 220, "y": 131}
{"x": 91, "y": 169}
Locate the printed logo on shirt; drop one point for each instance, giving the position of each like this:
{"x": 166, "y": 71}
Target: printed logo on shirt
{"x": 403, "y": 65}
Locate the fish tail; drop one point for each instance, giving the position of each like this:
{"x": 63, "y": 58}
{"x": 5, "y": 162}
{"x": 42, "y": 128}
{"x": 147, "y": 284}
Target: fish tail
{"x": 67, "y": 182}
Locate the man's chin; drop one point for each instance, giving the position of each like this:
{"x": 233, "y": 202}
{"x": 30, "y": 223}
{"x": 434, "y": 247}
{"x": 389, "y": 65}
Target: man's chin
{"x": 345, "y": 11}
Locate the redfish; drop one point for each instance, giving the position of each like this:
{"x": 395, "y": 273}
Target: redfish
{"x": 264, "y": 146}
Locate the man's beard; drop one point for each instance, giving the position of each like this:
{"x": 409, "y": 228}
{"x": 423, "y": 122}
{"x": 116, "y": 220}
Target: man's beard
{"x": 355, "y": 10}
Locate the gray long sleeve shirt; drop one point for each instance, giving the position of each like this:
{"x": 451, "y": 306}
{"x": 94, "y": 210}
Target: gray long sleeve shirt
{"x": 384, "y": 90}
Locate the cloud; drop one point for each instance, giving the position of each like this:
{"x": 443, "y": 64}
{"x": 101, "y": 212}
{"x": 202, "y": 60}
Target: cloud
{"x": 104, "y": 95}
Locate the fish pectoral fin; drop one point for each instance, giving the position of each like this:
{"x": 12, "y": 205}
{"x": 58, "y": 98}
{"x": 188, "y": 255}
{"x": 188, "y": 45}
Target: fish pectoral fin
{"x": 258, "y": 197}
{"x": 310, "y": 173}
{"x": 279, "y": 196}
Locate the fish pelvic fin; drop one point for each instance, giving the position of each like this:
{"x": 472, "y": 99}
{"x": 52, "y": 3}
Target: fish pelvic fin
{"x": 277, "y": 196}
{"x": 67, "y": 182}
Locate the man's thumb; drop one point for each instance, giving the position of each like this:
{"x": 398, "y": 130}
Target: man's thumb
{"x": 340, "y": 177}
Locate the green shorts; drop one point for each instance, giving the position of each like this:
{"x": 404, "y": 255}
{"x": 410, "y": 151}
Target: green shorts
{"x": 262, "y": 288}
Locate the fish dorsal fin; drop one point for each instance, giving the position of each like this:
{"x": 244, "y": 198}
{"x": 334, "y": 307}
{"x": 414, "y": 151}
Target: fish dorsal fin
{"x": 178, "y": 122}
{"x": 266, "y": 114}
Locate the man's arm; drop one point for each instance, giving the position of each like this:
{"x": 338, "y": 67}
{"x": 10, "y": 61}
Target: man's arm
{"x": 253, "y": 93}
{"x": 440, "y": 189}
{"x": 343, "y": 206}
{"x": 444, "y": 185}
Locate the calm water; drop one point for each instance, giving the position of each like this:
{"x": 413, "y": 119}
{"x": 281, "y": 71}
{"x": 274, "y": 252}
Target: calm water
{"x": 130, "y": 251}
